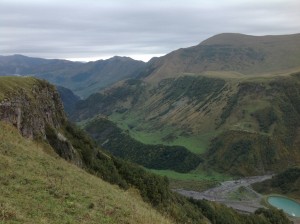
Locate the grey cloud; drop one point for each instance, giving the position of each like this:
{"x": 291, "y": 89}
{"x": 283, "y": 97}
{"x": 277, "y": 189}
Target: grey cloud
{"x": 90, "y": 28}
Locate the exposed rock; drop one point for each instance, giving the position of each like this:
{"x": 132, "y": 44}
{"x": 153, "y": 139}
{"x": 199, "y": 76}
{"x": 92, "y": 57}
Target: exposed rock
{"x": 31, "y": 113}
{"x": 34, "y": 110}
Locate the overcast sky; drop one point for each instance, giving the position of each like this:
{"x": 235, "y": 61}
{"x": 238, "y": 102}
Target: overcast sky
{"x": 141, "y": 29}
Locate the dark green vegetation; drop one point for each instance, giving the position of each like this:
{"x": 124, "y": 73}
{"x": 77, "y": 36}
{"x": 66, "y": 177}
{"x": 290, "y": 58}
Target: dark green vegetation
{"x": 120, "y": 144}
{"x": 217, "y": 213}
{"x": 104, "y": 102}
{"x": 161, "y": 110}
{"x": 82, "y": 78}
{"x": 246, "y": 126}
{"x": 286, "y": 183}
{"x": 60, "y": 193}
{"x": 37, "y": 186}
{"x": 68, "y": 98}
{"x": 75, "y": 146}
{"x": 271, "y": 145}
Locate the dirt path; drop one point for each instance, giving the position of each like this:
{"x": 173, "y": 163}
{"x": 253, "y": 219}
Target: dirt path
{"x": 237, "y": 194}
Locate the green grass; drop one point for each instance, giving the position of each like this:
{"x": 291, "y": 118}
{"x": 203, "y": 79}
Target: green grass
{"x": 197, "y": 180}
{"x": 146, "y": 134}
{"x": 194, "y": 175}
{"x": 12, "y": 84}
{"x": 37, "y": 186}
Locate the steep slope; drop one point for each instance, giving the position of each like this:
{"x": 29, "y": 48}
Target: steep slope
{"x": 252, "y": 122}
{"x": 286, "y": 183}
{"x": 55, "y": 191}
{"x": 68, "y": 98}
{"x": 82, "y": 78}
{"x": 30, "y": 105}
{"x": 120, "y": 144}
{"x": 235, "y": 53}
{"x": 39, "y": 98}
{"x": 45, "y": 193}
{"x": 233, "y": 97}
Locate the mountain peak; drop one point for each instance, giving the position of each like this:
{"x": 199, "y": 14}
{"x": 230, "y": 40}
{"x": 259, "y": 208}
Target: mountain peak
{"x": 230, "y": 52}
{"x": 243, "y": 39}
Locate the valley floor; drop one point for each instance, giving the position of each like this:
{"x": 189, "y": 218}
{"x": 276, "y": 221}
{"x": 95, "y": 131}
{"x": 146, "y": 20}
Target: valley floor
{"x": 237, "y": 194}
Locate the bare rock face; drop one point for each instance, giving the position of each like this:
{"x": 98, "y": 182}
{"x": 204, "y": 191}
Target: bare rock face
{"x": 31, "y": 113}
{"x": 33, "y": 110}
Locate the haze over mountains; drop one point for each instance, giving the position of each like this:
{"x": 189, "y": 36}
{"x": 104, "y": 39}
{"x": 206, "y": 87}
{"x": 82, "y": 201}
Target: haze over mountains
{"x": 82, "y": 78}
{"x": 234, "y": 53}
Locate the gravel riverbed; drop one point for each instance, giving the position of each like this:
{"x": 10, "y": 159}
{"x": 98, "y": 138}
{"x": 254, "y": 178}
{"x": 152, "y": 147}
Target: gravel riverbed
{"x": 226, "y": 193}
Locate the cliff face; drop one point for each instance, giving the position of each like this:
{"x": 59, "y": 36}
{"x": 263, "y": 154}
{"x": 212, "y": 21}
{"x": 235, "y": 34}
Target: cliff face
{"x": 31, "y": 113}
{"x": 33, "y": 106}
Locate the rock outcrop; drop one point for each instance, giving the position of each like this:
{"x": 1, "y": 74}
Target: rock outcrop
{"x": 34, "y": 106}
{"x": 30, "y": 112}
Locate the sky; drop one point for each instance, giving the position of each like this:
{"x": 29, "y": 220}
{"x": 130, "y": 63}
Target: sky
{"x": 85, "y": 30}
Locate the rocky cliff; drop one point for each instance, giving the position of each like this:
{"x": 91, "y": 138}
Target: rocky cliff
{"x": 34, "y": 107}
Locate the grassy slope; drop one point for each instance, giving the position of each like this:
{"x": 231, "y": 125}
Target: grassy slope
{"x": 146, "y": 135}
{"x": 37, "y": 187}
{"x": 120, "y": 144}
{"x": 197, "y": 180}
{"x": 231, "y": 53}
{"x": 152, "y": 188}
{"x": 82, "y": 78}
{"x": 255, "y": 110}
{"x": 11, "y": 84}
{"x": 258, "y": 109}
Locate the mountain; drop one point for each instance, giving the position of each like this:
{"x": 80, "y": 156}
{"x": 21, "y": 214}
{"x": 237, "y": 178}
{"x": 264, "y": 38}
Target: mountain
{"x": 33, "y": 108}
{"x": 234, "y": 53}
{"x": 35, "y": 136}
{"x": 120, "y": 144}
{"x": 23, "y": 65}
{"x": 68, "y": 98}
{"x": 37, "y": 186}
{"x": 243, "y": 120}
{"x": 82, "y": 78}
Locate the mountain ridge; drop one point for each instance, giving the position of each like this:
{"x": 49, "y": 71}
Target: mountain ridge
{"x": 81, "y": 78}
{"x": 248, "y": 55}
{"x": 54, "y": 188}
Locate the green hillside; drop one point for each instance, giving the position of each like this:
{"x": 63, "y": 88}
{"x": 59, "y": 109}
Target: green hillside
{"x": 82, "y": 78}
{"x": 229, "y": 52}
{"x": 285, "y": 183}
{"x": 40, "y": 187}
{"x": 120, "y": 144}
{"x": 253, "y": 121}
{"x": 68, "y": 98}
{"x": 37, "y": 186}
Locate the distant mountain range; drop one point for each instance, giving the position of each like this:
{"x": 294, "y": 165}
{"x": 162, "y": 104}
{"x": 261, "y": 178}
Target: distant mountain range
{"x": 229, "y": 106}
{"x": 233, "y": 99}
{"x": 82, "y": 78}
{"x": 229, "y": 52}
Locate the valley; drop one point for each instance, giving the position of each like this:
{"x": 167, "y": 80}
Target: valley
{"x": 236, "y": 194}
{"x": 212, "y": 122}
